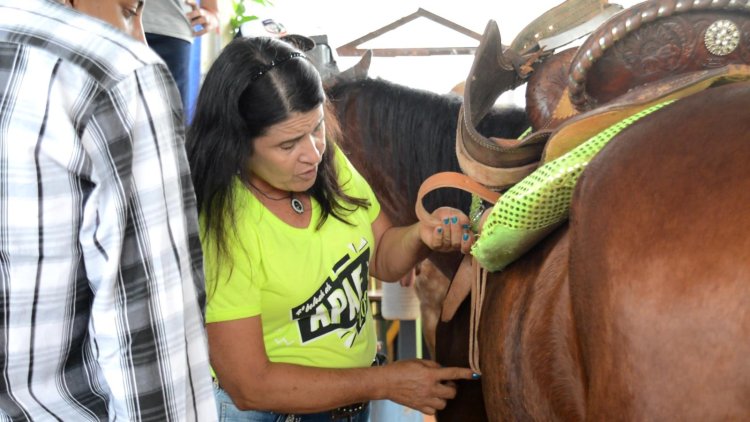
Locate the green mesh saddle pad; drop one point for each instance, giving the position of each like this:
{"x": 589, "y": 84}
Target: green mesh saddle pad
{"x": 539, "y": 203}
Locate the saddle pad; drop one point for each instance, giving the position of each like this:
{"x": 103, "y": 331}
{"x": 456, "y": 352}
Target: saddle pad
{"x": 539, "y": 203}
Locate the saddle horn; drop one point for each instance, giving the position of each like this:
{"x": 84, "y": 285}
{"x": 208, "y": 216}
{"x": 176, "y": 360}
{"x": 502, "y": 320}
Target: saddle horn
{"x": 558, "y": 20}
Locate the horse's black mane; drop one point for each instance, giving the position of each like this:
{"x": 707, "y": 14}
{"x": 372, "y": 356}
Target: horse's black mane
{"x": 411, "y": 133}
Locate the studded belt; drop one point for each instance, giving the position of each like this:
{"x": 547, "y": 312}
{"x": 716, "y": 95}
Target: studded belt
{"x": 348, "y": 412}
{"x": 343, "y": 412}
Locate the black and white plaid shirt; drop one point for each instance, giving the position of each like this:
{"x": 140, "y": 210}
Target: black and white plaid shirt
{"x": 101, "y": 277}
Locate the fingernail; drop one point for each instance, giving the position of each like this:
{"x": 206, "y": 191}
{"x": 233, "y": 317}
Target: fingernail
{"x": 454, "y": 220}
{"x": 440, "y": 230}
{"x": 446, "y": 221}
{"x": 475, "y": 376}
{"x": 465, "y": 227}
{"x": 466, "y": 237}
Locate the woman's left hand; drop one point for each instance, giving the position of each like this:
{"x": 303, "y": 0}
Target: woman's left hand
{"x": 447, "y": 230}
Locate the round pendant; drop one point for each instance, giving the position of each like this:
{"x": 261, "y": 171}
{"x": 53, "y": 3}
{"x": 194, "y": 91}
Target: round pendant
{"x": 297, "y": 206}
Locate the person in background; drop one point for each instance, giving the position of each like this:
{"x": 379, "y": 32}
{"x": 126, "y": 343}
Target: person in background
{"x": 291, "y": 233}
{"x": 101, "y": 279}
{"x": 170, "y": 26}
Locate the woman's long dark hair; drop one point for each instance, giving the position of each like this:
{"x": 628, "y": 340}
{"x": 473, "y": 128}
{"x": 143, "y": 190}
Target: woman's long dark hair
{"x": 254, "y": 84}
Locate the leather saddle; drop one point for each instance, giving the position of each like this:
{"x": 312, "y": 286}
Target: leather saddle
{"x": 654, "y": 46}
{"x": 652, "y": 52}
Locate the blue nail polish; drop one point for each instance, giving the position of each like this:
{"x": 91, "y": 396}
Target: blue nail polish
{"x": 465, "y": 227}
{"x": 446, "y": 221}
{"x": 440, "y": 229}
{"x": 454, "y": 220}
{"x": 476, "y": 376}
{"x": 466, "y": 237}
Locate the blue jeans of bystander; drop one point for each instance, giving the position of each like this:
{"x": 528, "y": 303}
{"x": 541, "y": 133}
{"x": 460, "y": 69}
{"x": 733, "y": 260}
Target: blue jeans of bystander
{"x": 176, "y": 54}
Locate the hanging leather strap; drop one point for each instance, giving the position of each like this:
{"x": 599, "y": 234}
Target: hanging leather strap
{"x": 470, "y": 276}
{"x": 477, "y": 298}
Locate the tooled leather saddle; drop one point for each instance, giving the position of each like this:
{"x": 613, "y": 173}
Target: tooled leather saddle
{"x": 656, "y": 51}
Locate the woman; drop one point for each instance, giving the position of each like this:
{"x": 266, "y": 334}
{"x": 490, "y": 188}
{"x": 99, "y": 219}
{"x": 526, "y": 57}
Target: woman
{"x": 290, "y": 233}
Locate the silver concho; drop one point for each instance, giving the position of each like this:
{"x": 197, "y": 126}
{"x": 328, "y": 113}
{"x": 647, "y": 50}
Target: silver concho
{"x": 722, "y": 37}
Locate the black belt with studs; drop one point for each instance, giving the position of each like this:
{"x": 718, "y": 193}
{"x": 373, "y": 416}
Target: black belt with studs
{"x": 347, "y": 412}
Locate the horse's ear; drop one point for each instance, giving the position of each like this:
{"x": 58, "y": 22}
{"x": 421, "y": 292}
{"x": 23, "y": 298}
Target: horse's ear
{"x": 362, "y": 67}
{"x": 357, "y": 72}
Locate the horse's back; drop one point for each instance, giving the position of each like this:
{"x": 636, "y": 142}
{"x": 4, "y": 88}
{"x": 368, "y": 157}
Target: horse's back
{"x": 660, "y": 264}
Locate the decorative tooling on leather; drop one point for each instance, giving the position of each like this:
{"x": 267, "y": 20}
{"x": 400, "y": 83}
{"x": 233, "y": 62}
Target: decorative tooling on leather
{"x": 651, "y": 41}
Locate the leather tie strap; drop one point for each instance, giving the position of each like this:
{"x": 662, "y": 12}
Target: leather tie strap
{"x": 465, "y": 280}
{"x": 478, "y": 289}
{"x": 450, "y": 179}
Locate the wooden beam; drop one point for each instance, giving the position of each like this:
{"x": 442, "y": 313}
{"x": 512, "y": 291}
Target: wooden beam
{"x": 396, "y": 52}
{"x": 351, "y": 48}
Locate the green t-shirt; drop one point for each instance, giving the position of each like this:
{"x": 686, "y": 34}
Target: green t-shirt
{"x": 309, "y": 286}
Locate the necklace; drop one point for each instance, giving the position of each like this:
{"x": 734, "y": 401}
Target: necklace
{"x": 295, "y": 203}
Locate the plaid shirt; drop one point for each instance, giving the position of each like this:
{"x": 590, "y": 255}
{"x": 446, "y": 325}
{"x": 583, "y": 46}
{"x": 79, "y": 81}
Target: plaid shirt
{"x": 101, "y": 285}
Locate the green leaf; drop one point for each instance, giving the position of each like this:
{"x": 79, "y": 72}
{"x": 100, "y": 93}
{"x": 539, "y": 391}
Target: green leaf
{"x": 241, "y": 15}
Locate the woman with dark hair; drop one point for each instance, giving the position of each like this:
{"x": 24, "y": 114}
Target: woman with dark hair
{"x": 291, "y": 233}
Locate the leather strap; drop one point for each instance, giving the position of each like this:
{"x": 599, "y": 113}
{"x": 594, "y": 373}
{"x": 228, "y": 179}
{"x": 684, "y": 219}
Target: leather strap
{"x": 450, "y": 179}
{"x": 488, "y": 175}
{"x": 477, "y": 298}
{"x": 470, "y": 277}
{"x": 459, "y": 288}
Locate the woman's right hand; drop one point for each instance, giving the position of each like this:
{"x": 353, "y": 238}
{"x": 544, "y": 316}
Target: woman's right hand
{"x": 447, "y": 230}
{"x": 421, "y": 384}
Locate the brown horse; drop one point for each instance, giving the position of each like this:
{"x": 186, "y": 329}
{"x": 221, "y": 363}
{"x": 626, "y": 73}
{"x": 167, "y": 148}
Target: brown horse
{"x": 637, "y": 308}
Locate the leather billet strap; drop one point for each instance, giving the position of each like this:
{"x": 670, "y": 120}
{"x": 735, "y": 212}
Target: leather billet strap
{"x": 478, "y": 288}
{"x": 449, "y": 179}
{"x": 461, "y": 284}
{"x": 470, "y": 277}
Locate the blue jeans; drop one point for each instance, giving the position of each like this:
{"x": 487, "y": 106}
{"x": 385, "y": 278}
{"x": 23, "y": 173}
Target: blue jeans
{"x": 228, "y": 412}
{"x": 176, "y": 54}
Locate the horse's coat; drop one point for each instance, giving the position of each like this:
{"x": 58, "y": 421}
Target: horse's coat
{"x": 661, "y": 296}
